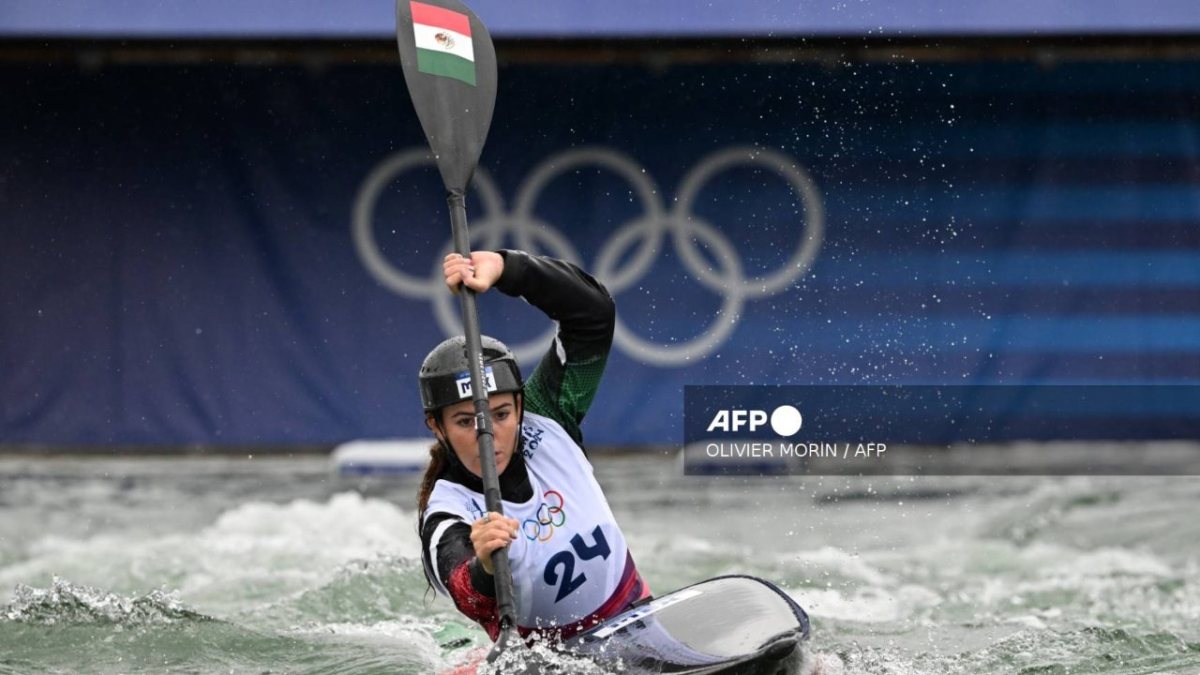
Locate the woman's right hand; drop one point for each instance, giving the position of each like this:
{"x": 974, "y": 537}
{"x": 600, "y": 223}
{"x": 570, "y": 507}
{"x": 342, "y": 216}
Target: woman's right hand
{"x": 491, "y": 533}
{"x": 479, "y": 272}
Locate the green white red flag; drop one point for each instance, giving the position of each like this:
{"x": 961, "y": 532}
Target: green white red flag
{"x": 444, "y": 46}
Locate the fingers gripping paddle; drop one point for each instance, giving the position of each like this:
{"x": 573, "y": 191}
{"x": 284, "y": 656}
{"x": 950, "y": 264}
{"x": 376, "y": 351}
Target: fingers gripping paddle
{"x": 450, "y": 68}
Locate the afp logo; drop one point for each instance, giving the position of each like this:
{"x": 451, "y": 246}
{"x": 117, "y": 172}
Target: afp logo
{"x": 784, "y": 420}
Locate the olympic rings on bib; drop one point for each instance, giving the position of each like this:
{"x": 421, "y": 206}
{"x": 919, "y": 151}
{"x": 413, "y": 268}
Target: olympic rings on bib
{"x": 643, "y": 234}
{"x": 550, "y": 514}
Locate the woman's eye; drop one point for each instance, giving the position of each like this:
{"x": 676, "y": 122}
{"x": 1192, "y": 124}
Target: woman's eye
{"x": 501, "y": 415}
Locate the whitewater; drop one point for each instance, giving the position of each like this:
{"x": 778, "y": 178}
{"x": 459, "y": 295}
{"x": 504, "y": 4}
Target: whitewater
{"x": 277, "y": 565}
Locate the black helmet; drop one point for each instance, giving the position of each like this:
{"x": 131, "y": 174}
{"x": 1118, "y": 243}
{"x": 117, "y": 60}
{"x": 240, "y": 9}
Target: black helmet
{"x": 446, "y": 379}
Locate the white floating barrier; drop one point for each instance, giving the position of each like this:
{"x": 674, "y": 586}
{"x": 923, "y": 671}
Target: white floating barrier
{"x": 390, "y": 457}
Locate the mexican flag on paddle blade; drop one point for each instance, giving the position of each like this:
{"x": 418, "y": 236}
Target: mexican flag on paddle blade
{"x": 444, "y": 46}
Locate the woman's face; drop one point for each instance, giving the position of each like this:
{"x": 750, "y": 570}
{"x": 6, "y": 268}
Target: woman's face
{"x": 458, "y": 420}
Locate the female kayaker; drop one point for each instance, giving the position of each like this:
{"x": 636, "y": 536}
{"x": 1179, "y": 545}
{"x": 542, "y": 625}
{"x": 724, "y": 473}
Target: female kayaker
{"x": 570, "y": 563}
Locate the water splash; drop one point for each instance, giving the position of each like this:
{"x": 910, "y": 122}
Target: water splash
{"x": 67, "y": 603}
{"x": 540, "y": 658}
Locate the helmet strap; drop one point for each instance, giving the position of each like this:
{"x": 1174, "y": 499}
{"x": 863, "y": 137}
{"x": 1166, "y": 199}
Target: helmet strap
{"x": 519, "y": 449}
{"x": 444, "y": 440}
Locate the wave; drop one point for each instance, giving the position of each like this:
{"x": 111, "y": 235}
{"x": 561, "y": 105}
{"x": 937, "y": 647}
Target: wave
{"x": 67, "y": 603}
{"x": 65, "y": 626}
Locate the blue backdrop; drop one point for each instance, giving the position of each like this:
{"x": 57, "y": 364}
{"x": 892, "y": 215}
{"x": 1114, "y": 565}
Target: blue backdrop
{"x": 218, "y": 254}
{"x": 506, "y": 18}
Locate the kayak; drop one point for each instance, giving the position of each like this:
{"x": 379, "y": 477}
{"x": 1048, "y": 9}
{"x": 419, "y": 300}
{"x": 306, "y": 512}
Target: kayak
{"x": 731, "y": 625}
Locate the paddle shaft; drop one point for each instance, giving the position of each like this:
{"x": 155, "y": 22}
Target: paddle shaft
{"x": 502, "y": 573}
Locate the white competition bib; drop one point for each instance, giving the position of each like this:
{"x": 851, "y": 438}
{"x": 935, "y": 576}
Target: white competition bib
{"x": 570, "y": 555}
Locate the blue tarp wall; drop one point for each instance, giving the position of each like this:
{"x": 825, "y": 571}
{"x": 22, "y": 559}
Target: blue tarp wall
{"x": 525, "y": 18}
{"x": 222, "y": 254}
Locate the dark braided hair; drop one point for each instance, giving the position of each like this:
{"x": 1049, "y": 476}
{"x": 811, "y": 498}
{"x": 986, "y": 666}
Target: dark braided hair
{"x": 437, "y": 467}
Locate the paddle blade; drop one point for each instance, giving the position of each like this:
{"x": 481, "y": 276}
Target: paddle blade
{"x": 450, "y": 68}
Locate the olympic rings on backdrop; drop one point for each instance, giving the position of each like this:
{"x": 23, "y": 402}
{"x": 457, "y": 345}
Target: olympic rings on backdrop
{"x": 550, "y": 514}
{"x": 646, "y": 232}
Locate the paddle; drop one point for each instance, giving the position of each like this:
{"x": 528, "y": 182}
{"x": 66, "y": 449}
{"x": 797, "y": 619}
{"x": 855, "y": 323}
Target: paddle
{"x": 450, "y": 69}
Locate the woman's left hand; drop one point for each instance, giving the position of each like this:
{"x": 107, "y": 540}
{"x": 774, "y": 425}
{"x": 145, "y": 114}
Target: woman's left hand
{"x": 478, "y": 273}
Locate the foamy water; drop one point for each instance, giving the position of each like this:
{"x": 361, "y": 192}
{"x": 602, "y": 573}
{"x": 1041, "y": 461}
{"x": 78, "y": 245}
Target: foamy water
{"x": 272, "y": 565}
